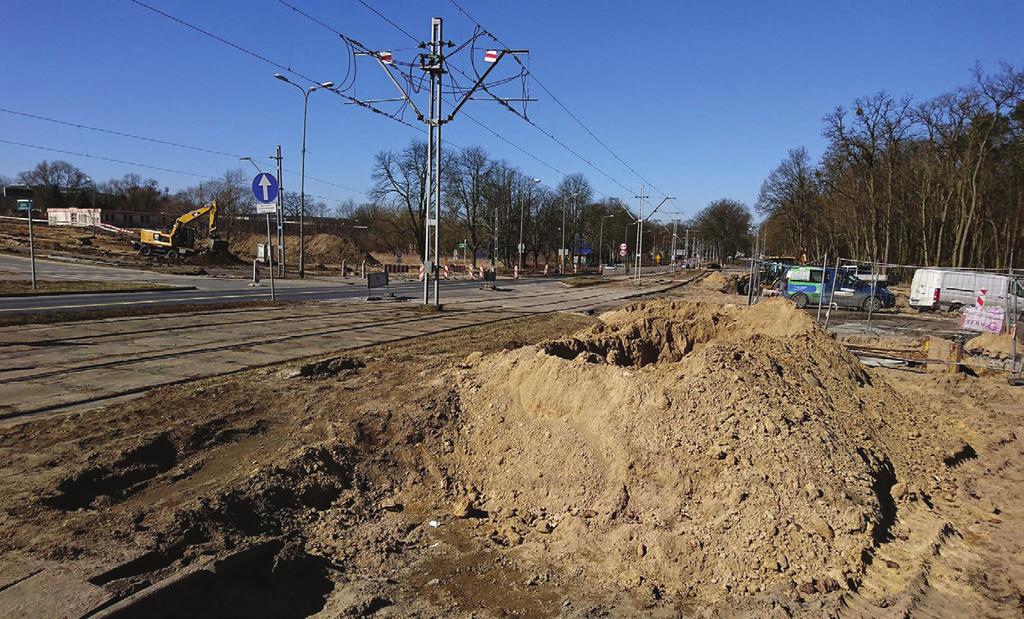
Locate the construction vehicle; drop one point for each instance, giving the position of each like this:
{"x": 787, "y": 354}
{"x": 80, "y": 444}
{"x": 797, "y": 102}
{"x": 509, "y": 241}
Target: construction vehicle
{"x": 180, "y": 240}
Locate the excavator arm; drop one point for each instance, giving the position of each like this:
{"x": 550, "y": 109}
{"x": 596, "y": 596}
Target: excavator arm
{"x": 157, "y": 241}
{"x": 191, "y": 216}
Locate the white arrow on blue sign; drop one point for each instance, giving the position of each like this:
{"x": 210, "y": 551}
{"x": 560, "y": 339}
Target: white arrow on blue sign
{"x": 264, "y": 187}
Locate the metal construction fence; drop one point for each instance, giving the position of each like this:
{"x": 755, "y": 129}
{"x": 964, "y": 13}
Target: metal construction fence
{"x": 856, "y": 297}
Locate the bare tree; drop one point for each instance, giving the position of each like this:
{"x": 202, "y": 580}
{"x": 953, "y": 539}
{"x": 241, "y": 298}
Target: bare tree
{"x": 723, "y": 224}
{"x": 464, "y": 189}
{"x": 57, "y": 184}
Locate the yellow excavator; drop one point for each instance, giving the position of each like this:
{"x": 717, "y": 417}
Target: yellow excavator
{"x": 180, "y": 240}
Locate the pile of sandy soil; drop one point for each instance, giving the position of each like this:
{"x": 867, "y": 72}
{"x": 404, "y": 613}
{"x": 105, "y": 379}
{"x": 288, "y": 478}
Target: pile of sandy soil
{"x": 673, "y": 459}
{"x": 992, "y": 345}
{"x": 725, "y": 283}
{"x": 692, "y": 450}
{"x": 320, "y": 248}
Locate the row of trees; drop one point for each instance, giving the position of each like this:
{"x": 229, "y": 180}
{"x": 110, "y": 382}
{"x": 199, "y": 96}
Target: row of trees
{"x": 936, "y": 182}
{"x": 488, "y": 205}
{"x": 59, "y": 184}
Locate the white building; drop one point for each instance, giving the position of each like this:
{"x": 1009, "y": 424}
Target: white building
{"x": 73, "y": 216}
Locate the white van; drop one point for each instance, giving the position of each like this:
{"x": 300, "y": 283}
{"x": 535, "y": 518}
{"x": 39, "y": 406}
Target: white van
{"x": 940, "y": 289}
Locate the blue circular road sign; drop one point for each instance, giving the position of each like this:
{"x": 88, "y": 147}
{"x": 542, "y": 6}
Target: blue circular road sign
{"x": 264, "y": 187}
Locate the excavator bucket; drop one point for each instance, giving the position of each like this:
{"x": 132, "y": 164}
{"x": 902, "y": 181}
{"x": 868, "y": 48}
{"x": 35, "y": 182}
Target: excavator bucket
{"x": 218, "y": 246}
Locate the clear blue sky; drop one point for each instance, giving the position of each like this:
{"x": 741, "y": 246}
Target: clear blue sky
{"x": 702, "y": 98}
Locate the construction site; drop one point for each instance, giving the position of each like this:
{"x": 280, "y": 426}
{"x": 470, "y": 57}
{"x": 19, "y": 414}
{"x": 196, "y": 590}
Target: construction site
{"x": 682, "y": 453}
{"x": 351, "y": 308}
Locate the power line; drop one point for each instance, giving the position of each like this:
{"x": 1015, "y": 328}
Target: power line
{"x": 166, "y": 143}
{"x": 132, "y": 163}
{"x": 479, "y": 123}
{"x": 560, "y": 104}
{"x": 382, "y": 16}
{"x": 118, "y": 133}
{"x": 504, "y": 103}
{"x": 272, "y": 63}
{"x": 121, "y": 161}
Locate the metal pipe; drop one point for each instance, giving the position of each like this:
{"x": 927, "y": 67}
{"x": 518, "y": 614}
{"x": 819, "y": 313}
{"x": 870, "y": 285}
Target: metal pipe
{"x": 832, "y": 294}
{"x": 821, "y": 293}
{"x": 31, "y": 243}
{"x": 302, "y": 187}
{"x": 270, "y": 258}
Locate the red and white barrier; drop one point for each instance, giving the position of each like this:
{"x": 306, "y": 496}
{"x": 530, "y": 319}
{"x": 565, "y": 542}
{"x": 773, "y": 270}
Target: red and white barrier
{"x": 420, "y": 277}
{"x": 446, "y": 274}
{"x": 982, "y": 293}
{"x": 515, "y": 272}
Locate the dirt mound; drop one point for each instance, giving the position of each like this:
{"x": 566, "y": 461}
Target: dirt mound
{"x": 326, "y": 249}
{"x": 726, "y": 283}
{"x": 716, "y": 278}
{"x": 692, "y": 449}
{"x": 210, "y": 258}
{"x": 992, "y": 345}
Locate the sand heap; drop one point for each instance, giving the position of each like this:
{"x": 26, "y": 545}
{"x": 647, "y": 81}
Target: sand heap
{"x": 321, "y": 248}
{"x": 992, "y": 345}
{"x": 721, "y": 282}
{"x": 696, "y": 450}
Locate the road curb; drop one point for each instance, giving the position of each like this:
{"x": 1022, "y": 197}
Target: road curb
{"x": 55, "y": 293}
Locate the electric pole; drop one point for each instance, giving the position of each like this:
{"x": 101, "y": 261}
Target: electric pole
{"x": 280, "y": 212}
{"x": 674, "y": 224}
{"x": 433, "y": 64}
{"x": 640, "y": 235}
{"x": 686, "y": 246}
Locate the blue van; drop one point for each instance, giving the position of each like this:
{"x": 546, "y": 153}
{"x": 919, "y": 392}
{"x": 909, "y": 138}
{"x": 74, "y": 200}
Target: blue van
{"x": 806, "y": 285}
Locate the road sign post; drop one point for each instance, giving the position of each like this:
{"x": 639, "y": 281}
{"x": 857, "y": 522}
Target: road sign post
{"x": 282, "y": 266}
{"x": 265, "y": 190}
{"x": 26, "y": 205}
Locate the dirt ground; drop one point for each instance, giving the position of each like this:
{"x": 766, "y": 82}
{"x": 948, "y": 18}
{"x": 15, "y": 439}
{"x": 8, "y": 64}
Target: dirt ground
{"x": 81, "y": 243}
{"x": 667, "y": 458}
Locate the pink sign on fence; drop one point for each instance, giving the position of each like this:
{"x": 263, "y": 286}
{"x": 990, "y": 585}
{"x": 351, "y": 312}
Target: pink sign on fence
{"x": 991, "y": 319}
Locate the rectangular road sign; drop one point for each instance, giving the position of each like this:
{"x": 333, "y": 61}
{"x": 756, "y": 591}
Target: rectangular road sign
{"x": 267, "y": 208}
{"x": 25, "y": 205}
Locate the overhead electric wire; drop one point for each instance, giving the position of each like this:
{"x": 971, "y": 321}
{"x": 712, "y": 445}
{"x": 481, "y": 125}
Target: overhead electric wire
{"x": 272, "y": 63}
{"x": 560, "y": 104}
{"x": 111, "y": 159}
{"x": 169, "y": 143}
{"x": 118, "y": 133}
{"x": 382, "y": 16}
{"x": 410, "y": 36}
{"x": 499, "y": 100}
{"x": 133, "y": 164}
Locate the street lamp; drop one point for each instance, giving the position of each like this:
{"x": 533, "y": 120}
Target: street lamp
{"x": 521, "y": 210}
{"x": 302, "y": 175}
